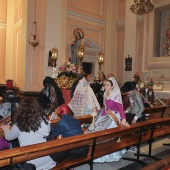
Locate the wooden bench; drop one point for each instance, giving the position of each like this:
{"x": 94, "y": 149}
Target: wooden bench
{"x": 155, "y": 109}
{"x": 160, "y": 128}
{"x": 101, "y": 143}
{"x": 161, "y": 164}
{"x": 83, "y": 119}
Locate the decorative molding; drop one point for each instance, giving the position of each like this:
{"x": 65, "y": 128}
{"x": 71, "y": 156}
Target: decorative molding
{"x": 91, "y": 59}
{"x": 140, "y": 18}
{"x": 2, "y": 26}
{"x": 85, "y": 19}
{"x": 95, "y": 9}
{"x": 18, "y": 23}
{"x": 17, "y": 57}
{"x": 91, "y": 44}
{"x": 120, "y": 23}
{"x": 161, "y": 3}
{"x": 19, "y": 3}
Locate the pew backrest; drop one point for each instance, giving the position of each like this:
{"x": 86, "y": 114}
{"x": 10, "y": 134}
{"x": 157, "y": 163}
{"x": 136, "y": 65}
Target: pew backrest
{"x": 155, "y": 109}
{"x": 101, "y": 143}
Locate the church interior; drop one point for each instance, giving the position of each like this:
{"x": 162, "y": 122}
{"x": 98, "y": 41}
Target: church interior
{"x": 38, "y": 39}
{"x": 108, "y": 26}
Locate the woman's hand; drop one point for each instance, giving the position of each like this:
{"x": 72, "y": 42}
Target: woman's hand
{"x": 133, "y": 121}
{"x": 4, "y": 126}
{"x": 125, "y": 123}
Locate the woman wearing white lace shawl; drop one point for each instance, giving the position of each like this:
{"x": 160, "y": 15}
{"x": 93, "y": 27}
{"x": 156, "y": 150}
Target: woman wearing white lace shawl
{"x": 84, "y": 100}
{"x": 110, "y": 116}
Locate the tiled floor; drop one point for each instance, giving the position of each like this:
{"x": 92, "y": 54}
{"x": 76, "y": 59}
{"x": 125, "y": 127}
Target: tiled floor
{"x": 157, "y": 147}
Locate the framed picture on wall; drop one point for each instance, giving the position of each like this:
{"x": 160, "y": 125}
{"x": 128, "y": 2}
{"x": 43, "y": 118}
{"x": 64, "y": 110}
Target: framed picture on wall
{"x": 128, "y": 63}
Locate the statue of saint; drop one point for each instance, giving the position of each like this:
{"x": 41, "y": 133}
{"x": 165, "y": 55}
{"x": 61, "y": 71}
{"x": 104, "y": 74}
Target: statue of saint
{"x": 78, "y": 35}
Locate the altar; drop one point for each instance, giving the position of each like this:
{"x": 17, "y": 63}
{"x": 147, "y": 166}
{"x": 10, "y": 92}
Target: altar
{"x": 66, "y": 95}
{"x": 164, "y": 94}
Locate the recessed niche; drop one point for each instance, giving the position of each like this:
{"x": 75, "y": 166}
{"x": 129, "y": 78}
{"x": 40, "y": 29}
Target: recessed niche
{"x": 161, "y": 23}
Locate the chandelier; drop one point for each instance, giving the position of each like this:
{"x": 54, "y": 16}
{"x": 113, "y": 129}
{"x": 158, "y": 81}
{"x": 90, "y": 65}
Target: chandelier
{"x": 166, "y": 45}
{"x": 33, "y": 38}
{"x": 141, "y": 7}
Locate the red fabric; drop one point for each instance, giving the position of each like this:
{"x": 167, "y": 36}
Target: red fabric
{"x": 9, "y": 84}
{"x": 63, "y": 109}
{"x": 66, "y": 95}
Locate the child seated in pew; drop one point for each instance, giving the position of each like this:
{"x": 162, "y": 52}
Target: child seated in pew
{"x": 69, "y": 126}
{"x": 134, "y": 113}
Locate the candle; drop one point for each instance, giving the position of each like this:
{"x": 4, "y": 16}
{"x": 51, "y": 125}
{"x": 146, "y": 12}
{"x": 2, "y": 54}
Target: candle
{"x": 151, "y": 73}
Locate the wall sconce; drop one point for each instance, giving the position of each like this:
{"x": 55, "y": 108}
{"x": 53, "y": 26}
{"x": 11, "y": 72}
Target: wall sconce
{"x": 52, "y": 60}
{"x": 80, "y": 52}
{"x": 54, "y": 56}
{"x": 33, "y": 38}
{"x": 100, "y": 61}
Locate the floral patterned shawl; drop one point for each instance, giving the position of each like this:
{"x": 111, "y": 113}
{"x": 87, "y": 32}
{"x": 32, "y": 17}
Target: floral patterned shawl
{"x": 84, "y": 100}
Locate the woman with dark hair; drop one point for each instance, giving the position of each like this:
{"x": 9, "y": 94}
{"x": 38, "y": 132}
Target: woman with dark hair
{"x": 110, "y": 116}
{"x": 50, "y": 96}
{"x": 30, "y": 125}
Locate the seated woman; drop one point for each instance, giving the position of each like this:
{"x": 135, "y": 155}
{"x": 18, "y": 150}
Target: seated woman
{"x": 69, "y": 126}
{"x": 111, "y": 116}
{"x": 30, "y": 125}
{"x": 50, "y": 96}
{"x": 84, "y": 100}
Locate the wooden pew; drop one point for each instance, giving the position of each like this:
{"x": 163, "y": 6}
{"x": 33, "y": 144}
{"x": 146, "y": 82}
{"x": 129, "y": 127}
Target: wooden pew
{"x": 82, "y": 119}
{"x": 155, "y": 109}
{"x": 101, "y": 143}
{"x": 160, "y": 128}
{"x": 1, "y": 133}
{"x": 161, "y": 164}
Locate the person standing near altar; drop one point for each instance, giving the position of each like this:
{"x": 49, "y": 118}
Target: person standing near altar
{"x": 98, "y": 88}
{"x": 148, "y": 94}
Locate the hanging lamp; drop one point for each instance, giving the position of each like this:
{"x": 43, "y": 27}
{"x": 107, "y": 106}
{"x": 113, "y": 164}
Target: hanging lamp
{"x": 33, "y": 38}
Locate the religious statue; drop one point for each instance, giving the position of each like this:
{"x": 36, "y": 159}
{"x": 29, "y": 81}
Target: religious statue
{"x": 79, "y": 37}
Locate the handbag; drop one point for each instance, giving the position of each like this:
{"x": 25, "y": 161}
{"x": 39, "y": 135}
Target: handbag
{"x": 50, "y": 137}
{"x": 22, "y": 166}
{"x": 4, "y": 144}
